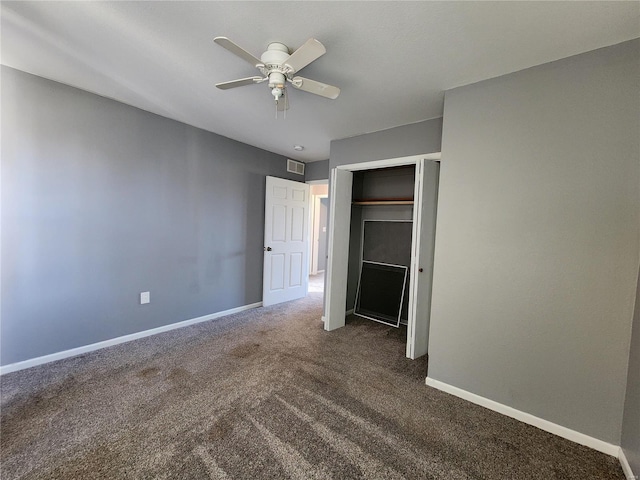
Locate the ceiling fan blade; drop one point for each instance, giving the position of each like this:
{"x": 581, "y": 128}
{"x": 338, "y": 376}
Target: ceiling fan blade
{"x": 307, "y": 53}
{"x": 318, "y": 88}
{"x": 237, "y": 50}
{"x": 239, "y": 83}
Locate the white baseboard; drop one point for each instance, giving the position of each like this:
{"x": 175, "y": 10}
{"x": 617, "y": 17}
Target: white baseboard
{"x": 626, "y": 467}
{"x": 348, "y": 312}
{"x": 14, "y": 367}
{"x": 547, "y": 426}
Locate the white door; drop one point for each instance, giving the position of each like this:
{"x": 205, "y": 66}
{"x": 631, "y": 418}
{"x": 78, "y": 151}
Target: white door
{"x": 335, "y": 297}
{"x": 424, "y": 228}
{"x": 286, "y": 241}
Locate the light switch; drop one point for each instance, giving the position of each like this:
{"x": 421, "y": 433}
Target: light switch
{"x": 145, "y": 297}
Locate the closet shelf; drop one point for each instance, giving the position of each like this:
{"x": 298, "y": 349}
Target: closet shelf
{"x": 383, "y": 201}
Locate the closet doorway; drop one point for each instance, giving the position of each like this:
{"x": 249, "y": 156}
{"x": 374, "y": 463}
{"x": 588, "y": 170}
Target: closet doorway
{"x": 344, "y": 220}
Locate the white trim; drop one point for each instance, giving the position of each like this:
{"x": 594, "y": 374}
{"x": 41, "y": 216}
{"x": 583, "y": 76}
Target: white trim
{"x": 416, "y": 234}
{"x": 547, "y": 426}
{"x": 389, "y": 162}
{"x": 14, "y": 367}
{"x": 335, "y": 292}
{"x": 626, "y": 468}
{"x": 313, "y": 268}
{"x": 315, "y": 232}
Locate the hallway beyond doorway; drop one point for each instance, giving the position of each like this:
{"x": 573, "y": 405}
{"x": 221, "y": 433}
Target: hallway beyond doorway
{"x": 316, "y": 282}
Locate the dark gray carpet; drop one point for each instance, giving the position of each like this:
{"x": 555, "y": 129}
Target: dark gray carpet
{"x": 266, "y": 394}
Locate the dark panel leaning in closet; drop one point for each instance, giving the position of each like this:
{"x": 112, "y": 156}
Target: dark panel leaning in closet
{"x": 380, "y": 244}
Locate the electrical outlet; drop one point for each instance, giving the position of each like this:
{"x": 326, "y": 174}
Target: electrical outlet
{"x": 145, "y": 297}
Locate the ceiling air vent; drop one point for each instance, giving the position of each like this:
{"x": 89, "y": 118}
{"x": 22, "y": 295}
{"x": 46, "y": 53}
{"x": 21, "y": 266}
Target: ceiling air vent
{"x": 295, "y": 167}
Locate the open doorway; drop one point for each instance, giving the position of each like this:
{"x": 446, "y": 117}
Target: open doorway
{"x": 425, "y": 171}
{"x": 319, "y": 214}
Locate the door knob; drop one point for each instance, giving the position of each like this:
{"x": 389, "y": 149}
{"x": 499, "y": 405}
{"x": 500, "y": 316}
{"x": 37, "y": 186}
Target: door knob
{"x": 268, "y": 249}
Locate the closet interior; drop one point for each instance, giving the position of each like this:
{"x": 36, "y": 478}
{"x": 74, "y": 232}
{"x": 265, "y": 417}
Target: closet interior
{"x": 380, "y": 244}
{"x": 381, "y": 241}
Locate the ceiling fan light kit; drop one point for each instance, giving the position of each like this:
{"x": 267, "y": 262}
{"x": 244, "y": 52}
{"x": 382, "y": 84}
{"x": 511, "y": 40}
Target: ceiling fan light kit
{"x": 272, "y": 59}
{"x": 279, "y": 67}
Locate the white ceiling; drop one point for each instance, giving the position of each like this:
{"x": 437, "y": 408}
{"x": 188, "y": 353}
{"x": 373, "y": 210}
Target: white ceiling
{"x": 392, "y": 60}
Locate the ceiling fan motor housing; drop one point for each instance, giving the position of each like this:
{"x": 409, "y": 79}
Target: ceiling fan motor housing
{"x": 273, "y": 59}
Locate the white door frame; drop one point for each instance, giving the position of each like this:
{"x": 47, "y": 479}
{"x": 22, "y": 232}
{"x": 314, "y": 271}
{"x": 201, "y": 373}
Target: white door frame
{"x": 314, "y": 225}
{"x": 315, "y": 234}
{"x": 340, "y": 212}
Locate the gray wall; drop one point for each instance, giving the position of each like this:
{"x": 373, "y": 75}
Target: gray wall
{"x": 101, "y": 201}
{"x": 631, "y": 419}
{"x": 316, "y": 170}
{"x": 536, "y": 255}
{"x": 412, "y": 139}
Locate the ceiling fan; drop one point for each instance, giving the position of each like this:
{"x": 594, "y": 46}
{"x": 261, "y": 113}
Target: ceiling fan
{"x": 278, "y": 67}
